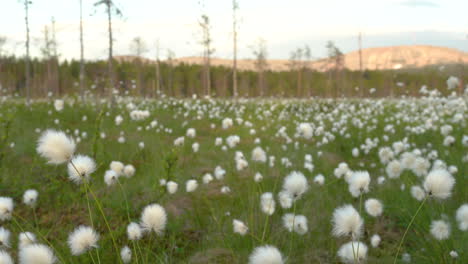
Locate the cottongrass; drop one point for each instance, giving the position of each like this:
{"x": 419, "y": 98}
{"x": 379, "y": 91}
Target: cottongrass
{"x": 5, "y": 235}
{"x": 239, "y": 227}
{"x": 347, "y": 222}
{"x": 56, "y": 146}
{"x": 154, "y": 218}
{"x": 82, "y": 239}
{"x": 5, "y": 258}
{"x": 126, "y": 254}
{"x": 266, "y": 255}
{"x": 6, "y": 208}
{"x": 353, "y": 252}
{"x": 462, "y": 217}
{"x": 36, "y": 254}
{"x": 30, "y": 198}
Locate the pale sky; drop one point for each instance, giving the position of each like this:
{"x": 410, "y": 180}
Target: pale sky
{"x": 285, "y": 25}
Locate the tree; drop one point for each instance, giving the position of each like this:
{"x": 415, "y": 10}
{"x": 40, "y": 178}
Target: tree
{"x": 204, "y": 24}
{"x": 138, "y": 47}
{"x": 235, "y": 7}
{"x": 26, "y": 4}
{"x": 260, "y": 52}
{"x": 110, "y": 9}
{"x": 336, "y": 59}
{"x": 82, "y": 64}
{"x": 157, "y": 70}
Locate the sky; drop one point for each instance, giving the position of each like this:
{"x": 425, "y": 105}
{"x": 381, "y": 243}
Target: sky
{"x": 284, "y": 25}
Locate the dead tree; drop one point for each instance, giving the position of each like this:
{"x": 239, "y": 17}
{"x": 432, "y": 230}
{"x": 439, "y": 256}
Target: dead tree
{"x": 261, "y": 64}
{"x": 157, "y": 70}
{"x": 27, "y": 59}
{"x": 204, "y": 24}
{"x": 110, "y": 9}
{"x": 235, "y": 7}
{"x": 138, "y": 47}
{"x": 82, "y": 64}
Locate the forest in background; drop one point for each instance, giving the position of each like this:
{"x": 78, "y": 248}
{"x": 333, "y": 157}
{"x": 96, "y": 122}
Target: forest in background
{"x": 137, "y": 78}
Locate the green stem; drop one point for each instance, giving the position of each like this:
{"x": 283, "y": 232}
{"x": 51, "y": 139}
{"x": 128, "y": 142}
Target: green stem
{"x": 98, "y": 203}
{"x": 409, "y": 225}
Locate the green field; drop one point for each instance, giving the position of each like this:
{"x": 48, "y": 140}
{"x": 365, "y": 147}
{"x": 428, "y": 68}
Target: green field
{"x": 200, "y": 223}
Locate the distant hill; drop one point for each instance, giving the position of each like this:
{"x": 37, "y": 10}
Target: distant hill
{"x": 394, "y": 57}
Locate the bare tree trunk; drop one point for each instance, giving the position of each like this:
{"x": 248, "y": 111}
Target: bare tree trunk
{"x": 234, "y": 61}
{"x": 27, "y": 66}
{"x": 82, "y": 65}
{"x": 361, "y": 88}
{"x": 109, "y": 62}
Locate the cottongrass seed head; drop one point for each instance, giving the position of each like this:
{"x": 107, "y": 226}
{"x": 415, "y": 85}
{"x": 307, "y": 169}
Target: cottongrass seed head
{"x": 80, "y": 168}
{"x": 375, "y": 240}
{"x": 440, "y": 229}
{"x": 30, "y": 198}
{"x": 462, "y": 217}
{"x": 266, "y": 255}
{"x": 56, "y": 146}
{"x": 347, "y": 222}
{"x": 373, "y": 207}
{"x": 5, "y": 258}
{"x": 4, "y": 237}
{"x": 126, "y": 254}
{"x": 82, "y": 239}
{"x": 134, "y": 231}
{"x": 267, "y": 203}
{"x": 6, "y": 208}
{"x": 129, "y": 171}
{"x": 239, "y": 227}
{"x": 295, "y": 184}
{"x": 118, "y": 167}
{"x": 111, "y": 177}
{"x": 26, "y": 239}
{"x": 359, "y": 183}
{"x": 191, "y": 185}
{"x": 36, "y": 254}
{"x": 439, "y": 183}
{"x": 351, "y": 251}
{"x": 154, "y": 218}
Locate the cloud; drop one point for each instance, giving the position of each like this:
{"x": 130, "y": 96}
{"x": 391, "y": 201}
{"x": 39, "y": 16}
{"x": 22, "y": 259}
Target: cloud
{"x": 419, "y": 3}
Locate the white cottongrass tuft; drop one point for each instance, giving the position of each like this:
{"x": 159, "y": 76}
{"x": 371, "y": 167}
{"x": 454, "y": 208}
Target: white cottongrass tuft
{"x": 4, "y": 237}
{"x": 126, "y": 254}
{"x": 417, "y": 193}
{"x": 267, "y": 203}
{"x": 110, "y": 177}
{"x": 239, "y": 227}
{"x": 258, "y": 177}
{"x": 26, "y": 239}
{"x": 319, "y": 179}
{"x": 118, "y": 167}
{"x": 36, "y": 254}
{"x": 349, "y": 252}
{"x": 134, "y": 231}
{"x": 462, "y": 217}
{"x": 347, "y": 222}
{"x": 5, "y": 258}
{"x": 439, "y": 184}
{"x": 440, "y": 229}
{"x": 30, "y": 198}
{"x": 172, "y": 187}
{"x": 266, "y": 255}
{"x": 259, "y": 155}
{"x": 55, "y": 146}
{"x": 394, "y": 169}
{"x": 154, "y": 218}
{"x": 80, "y": 168}
{"x": 129, "y": 170}
{"x": 373, "y": 207}
{"x": 191, "y": 185}
{"x": 295, "y": 184}
{"x": 296, "y": 223}
{"x": 285, "y": 199}
{"x": 375, "y": 240}
{"x": 6, "y": 208}
{"x": 58, "y": 105}
{"x": 82, "y": 239}
{"x": 359, "y": 183}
